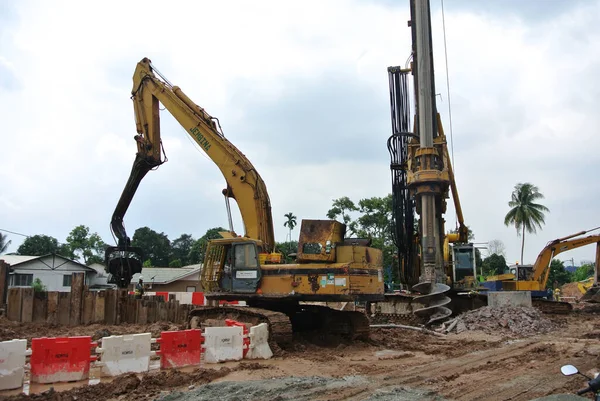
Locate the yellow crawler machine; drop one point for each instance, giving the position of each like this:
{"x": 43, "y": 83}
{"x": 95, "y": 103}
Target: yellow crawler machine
{"x": 329, "y": 267}
{"x": 534, "y": 277}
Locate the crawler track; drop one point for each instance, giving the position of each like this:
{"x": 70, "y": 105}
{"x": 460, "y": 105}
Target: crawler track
{"x": 352, "y": 325}
{"x": 280, "y": 327}
{"x": 554, "y": 307}
{"x": 314, "y": 319}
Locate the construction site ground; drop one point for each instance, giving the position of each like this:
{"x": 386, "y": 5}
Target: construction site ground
{"x": 394, "y": 364}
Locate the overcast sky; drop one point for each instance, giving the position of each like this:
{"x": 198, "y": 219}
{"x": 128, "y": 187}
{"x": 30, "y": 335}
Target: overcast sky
{"x": 301, "y": 88}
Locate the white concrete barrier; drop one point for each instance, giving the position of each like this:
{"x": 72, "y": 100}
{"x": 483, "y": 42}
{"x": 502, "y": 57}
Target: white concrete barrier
{"x": 499, "y": 299}
{"x": 126, "y": 353}
{"x": 12, "y": 363}
{"x": 223, "y": 344}
{"x": 259, "y": 342}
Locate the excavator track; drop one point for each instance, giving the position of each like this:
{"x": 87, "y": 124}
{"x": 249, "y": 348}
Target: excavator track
{"x": 324, "y": 320}
{"x": 280, "y": 327}
{"x": 552, "y": 307}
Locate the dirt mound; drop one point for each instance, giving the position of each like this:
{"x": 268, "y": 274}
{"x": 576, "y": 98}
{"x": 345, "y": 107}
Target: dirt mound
{"x": 509, "y": 321}
{"x": 570, "y": 290}
{"x": 129, "y": 384}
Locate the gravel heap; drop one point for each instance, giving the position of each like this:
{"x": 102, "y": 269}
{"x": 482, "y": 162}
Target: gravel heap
{"x": 508, "y": 320}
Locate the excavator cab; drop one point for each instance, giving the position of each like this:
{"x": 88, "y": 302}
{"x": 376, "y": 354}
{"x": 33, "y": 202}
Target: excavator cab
{"x": 122, "y": 263}
{"x": 232, "y": 265}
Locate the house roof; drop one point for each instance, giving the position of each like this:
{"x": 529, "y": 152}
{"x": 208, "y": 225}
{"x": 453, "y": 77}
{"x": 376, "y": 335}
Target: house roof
{"x": 166, "y": 275}
{"x": 16, "y": 260}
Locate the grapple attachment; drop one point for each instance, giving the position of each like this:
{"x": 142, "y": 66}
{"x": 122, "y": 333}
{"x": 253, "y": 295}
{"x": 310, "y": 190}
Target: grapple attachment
{"x": 122, "y": 263}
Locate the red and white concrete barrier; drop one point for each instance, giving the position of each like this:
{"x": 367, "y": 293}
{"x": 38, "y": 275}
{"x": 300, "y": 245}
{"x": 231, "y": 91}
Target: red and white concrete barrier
{"x": 188, "y": 298}
{"x": 64, "y": 359}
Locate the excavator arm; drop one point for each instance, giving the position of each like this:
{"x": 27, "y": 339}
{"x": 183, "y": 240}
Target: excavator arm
{"x": 244, "y": 184}
{"x": 541, "y": 268}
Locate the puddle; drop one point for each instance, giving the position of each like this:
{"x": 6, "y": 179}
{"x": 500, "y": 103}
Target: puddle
{"x": 391, "y": 354}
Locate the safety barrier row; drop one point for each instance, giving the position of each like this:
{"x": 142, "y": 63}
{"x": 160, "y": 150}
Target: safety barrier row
{"x": 66, "y": 359}
{"x": 188, "y": 298}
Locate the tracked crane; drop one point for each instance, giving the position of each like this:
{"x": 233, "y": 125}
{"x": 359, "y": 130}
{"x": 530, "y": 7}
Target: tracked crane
{"x": 329, "y": 267}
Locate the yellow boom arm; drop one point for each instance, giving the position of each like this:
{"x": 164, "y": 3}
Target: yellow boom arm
{"x": 541, "y": 268}
{"x": 244, "y": 184}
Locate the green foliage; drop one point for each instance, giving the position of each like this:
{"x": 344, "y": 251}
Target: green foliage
{"x": 198, "y": 249}
{"x": 340, "y": 208}
{"x": 39, "y": 245}
{"x": 525, "y": 214}
{"x": 86, "y": 245}
{"x": 558, "y": 273}
{"x": 180, "y": 249}
{"x": 156, "y": 246}
{"x": 175, "y": 263}
{"x": 147, "y": 263}
{"x": 583, "y": 272}
{"x": 373, "y": 221}
{"x": 290, "y": 222}
{"x": 494, "y": 264}
{"x": 38, "y": 286}
{"x": 4, "y": 242}
{"x": 287, "y": 248}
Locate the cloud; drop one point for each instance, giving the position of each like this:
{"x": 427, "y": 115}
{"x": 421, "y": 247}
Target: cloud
{"x": 302, "y": 90}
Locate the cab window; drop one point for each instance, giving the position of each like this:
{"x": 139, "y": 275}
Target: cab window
{"x": 245, "y": 256}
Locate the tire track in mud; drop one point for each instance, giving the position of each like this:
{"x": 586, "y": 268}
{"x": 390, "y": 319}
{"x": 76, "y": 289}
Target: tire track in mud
{"x": 447, "y": 377}
{"x": 471, "y": 376}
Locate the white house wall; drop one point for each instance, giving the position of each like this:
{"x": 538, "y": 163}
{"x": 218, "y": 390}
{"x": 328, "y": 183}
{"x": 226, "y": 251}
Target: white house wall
{"x": 51, "y": 272}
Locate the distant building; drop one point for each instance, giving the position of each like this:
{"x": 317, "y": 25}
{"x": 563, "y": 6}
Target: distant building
{"x": 54, "y": 271}
{"x": 170, "y": 279}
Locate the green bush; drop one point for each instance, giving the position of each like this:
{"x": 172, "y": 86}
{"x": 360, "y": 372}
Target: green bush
{"x": 38, "y": 286}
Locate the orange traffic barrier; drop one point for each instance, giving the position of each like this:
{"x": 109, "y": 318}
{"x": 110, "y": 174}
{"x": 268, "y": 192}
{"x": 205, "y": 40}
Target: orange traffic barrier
{"x": 61, "y": 359}
{"x": 198, "y": 298}
{"x": 180, "y": 348}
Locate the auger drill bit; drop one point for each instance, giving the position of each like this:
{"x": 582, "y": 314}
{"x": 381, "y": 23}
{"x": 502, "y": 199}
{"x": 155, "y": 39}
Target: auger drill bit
{"x": 432, "y": 304}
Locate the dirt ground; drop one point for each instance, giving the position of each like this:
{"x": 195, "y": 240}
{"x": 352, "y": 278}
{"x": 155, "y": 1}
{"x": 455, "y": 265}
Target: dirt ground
{"x": 394, "y": 364}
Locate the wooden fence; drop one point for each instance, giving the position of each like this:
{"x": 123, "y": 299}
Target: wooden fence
{"x": 82, "y": 307}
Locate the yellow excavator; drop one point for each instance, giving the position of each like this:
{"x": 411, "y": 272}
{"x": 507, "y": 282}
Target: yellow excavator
{"x": 534, "y": 278}
{"x": 329, "y": 267}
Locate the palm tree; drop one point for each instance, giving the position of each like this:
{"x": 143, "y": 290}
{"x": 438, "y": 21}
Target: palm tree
{"x": 290, "y": 223}
{"x": 525, "y": 214}
{"x": 4, "y": 243}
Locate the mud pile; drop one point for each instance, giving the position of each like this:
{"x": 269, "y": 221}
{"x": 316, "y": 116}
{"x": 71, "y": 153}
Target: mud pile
{"x": 507, "y": 321}
{"x": 570, "y": 290}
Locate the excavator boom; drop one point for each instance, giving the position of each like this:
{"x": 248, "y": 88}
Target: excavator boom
{"x": 244, "y": 184}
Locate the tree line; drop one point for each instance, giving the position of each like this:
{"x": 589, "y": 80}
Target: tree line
{"x": 159, "y": 251}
